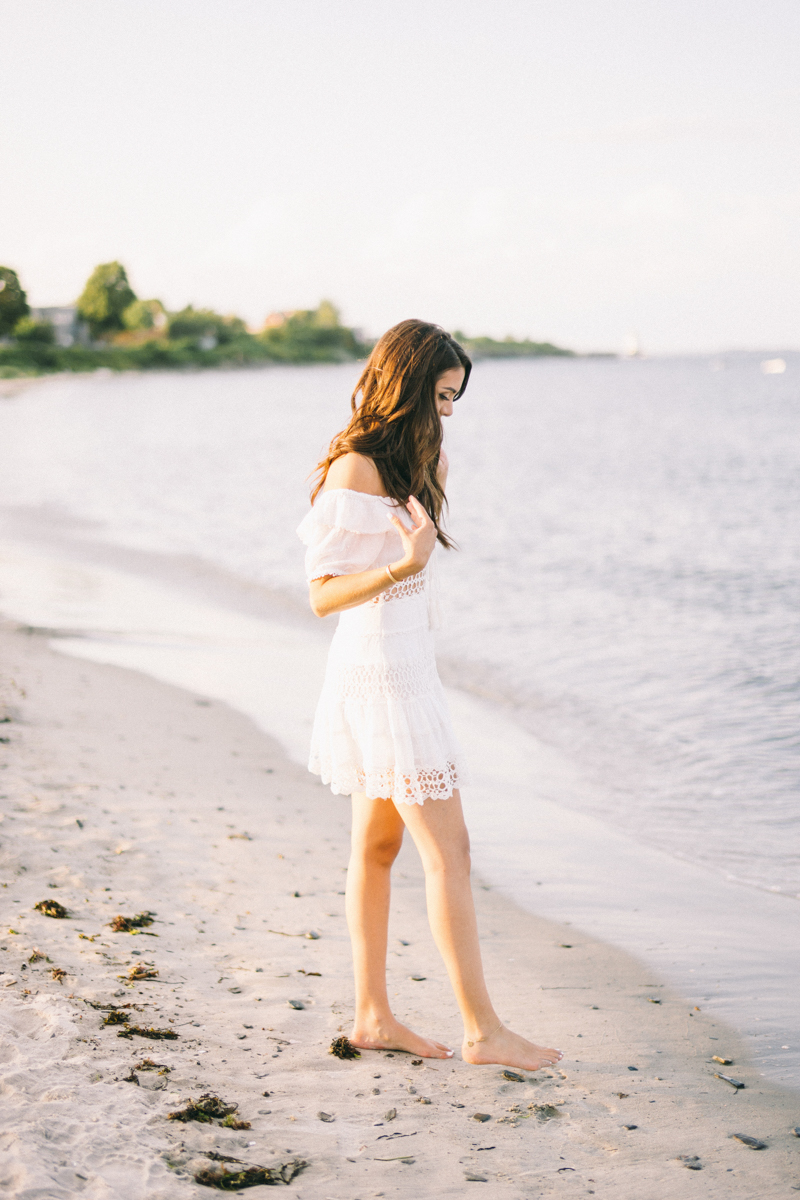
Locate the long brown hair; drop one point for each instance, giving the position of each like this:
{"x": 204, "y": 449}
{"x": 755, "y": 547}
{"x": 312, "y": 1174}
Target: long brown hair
{"x": 396, "y": 422}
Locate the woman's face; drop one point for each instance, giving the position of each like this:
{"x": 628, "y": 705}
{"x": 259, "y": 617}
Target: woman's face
{"x": 448, "y": 386}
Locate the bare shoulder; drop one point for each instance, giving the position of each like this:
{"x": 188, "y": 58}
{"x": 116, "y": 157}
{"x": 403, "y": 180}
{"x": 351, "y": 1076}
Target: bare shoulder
{"x": 355, "y": 472}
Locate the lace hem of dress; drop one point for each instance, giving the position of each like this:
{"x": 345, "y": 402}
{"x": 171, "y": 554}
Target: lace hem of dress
{"x": 403, "y": 788}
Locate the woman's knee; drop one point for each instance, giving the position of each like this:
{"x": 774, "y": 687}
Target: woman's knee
{"x": 378, "y": 848}
{"x": 450, "y": 858}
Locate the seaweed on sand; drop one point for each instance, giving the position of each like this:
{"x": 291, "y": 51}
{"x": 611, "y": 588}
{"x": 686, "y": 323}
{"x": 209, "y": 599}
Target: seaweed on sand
{"x": 147, "y": 1064}
{"x": 58, "y": 973}
{"x": 163, "y": 1035}
{"x": 51, "y": 908}
{"x": 342, "y": 1047}
{"x": 230, "y": 1181}
{"x": 115, "y": 1018}
{"x": 140, "y": 971}
{"x": 207, "y": 1109}
{"x": 111, "y": 1007}
{"x": 122, "y": 924}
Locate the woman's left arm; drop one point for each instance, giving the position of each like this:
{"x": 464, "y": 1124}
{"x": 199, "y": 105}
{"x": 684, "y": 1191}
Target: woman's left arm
{"x": 442, "y": 468}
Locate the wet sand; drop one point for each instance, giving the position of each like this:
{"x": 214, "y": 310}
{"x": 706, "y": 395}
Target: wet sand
{"x": 132, "y": 796}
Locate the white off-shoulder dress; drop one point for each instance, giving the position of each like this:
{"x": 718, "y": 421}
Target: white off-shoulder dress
{"x": 382, "y": 726}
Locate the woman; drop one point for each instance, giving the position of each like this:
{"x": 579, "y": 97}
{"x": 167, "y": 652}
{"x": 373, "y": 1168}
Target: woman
{"x": 382, "y": 732}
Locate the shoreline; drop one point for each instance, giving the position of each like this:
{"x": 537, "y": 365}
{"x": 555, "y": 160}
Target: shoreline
{"x": 130, "y": 794}
{"x": 722, "y": 946}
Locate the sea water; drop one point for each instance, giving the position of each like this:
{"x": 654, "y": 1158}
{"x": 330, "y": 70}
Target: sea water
{"x": 622, "y": 613}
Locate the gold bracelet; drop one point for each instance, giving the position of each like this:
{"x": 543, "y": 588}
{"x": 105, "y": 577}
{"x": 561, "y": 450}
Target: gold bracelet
{"x": 391, "y": 576}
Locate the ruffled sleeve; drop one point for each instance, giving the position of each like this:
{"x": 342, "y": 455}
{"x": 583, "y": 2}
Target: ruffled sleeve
{"x": 346, "y": 532}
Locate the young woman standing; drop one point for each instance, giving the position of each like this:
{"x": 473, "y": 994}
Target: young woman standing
{"x": 382, "y": 732}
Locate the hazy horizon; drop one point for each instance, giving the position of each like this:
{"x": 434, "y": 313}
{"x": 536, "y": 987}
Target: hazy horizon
{"x": 574, "y": 173}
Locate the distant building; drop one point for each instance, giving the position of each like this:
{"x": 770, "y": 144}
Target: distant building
{"x": 64, "y": 318}
{"x": 276, "y": 319}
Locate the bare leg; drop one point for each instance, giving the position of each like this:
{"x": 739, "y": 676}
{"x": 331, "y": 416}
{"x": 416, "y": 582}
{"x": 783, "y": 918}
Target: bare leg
{"x": 441, "y": 837}
{"x": 376, "y": 840}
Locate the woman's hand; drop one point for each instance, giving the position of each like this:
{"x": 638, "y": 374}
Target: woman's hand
{"x": 418, "y": 542}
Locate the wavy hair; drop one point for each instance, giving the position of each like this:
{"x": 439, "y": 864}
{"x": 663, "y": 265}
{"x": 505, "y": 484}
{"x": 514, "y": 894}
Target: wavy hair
{"x": 395, "y": 420}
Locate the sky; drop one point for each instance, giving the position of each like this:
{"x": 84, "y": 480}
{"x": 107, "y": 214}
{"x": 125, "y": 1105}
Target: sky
{"x": 567, "y": 170}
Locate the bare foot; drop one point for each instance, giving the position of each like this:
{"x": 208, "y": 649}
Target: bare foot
{"x": 391, "y": 1035}
{"x": 508, "y": 1049}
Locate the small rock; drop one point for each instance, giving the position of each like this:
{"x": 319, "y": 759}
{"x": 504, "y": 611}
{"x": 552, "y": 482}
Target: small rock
{"x": 468, "y": 1175}
{"x": 481, "y": 1116}
{"x": 413, "y": 1091}
{"x": 796, "y": 1131}
{"x": 746, "y": 1140}
{"x": 416, "y": 1062}
{"x": 390, "y": 1114}
{"x": 633, "y": 1068}
{"x": 241, "y": 1036}
{"x": 630, "y": 1126}
{"x": 455, "y": 1104}
{"x": 323, "y": 1116}
{"x": 691, "y": 1161}
{"x": 513, "y": 1076}
{"x": 298, "y": 1004}
{"x": 423, "y": 1100}
{"x": 417, "y": 978}
{"x": 376, "y": 1091}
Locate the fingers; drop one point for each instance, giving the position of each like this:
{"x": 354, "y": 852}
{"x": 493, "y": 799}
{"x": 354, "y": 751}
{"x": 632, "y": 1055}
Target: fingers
{"x": 417, "y": 513}
{"x": 417, "y": 510}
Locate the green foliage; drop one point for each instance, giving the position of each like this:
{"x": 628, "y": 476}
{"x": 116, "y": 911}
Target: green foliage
{"x": 486, "y": 347}
{"x": 13, "y": 301}
{"x": 27, "y": 330}
{"x": 312, "y": 335}
{"x": 145, "y": 314}
{"x": 105, "y": 298}
{"x": 203, "y": 325}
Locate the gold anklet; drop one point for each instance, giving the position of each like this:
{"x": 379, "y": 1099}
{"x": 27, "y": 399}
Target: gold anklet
{"x": 487, "y": 1036}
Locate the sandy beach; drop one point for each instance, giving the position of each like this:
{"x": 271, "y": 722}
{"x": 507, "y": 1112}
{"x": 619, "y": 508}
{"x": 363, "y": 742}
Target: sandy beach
{"x": 122, "y": 795}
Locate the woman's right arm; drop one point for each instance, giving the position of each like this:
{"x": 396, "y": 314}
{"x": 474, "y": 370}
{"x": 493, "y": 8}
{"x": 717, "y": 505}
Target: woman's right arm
{"x": 335, "y": 593}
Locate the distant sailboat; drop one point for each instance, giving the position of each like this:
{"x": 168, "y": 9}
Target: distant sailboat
{"x": 631, "y": 347}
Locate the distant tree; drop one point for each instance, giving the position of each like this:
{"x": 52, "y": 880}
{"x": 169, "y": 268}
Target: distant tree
{"x": 327, "y": 315}
{"x": 145, "y": 314}
{"x": 13, "y": 301}
{"x": 205, "y": 326}
{"x": 104, "y": 299}
{"x": 310, "y": 335}
{"x": 28, "y": 331}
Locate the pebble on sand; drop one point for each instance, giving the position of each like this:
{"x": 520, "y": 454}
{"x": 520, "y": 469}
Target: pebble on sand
{"x": 746, "y": 1140}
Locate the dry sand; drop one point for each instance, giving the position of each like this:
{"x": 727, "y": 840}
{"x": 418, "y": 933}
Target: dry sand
{"x": 121, "y": 795}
